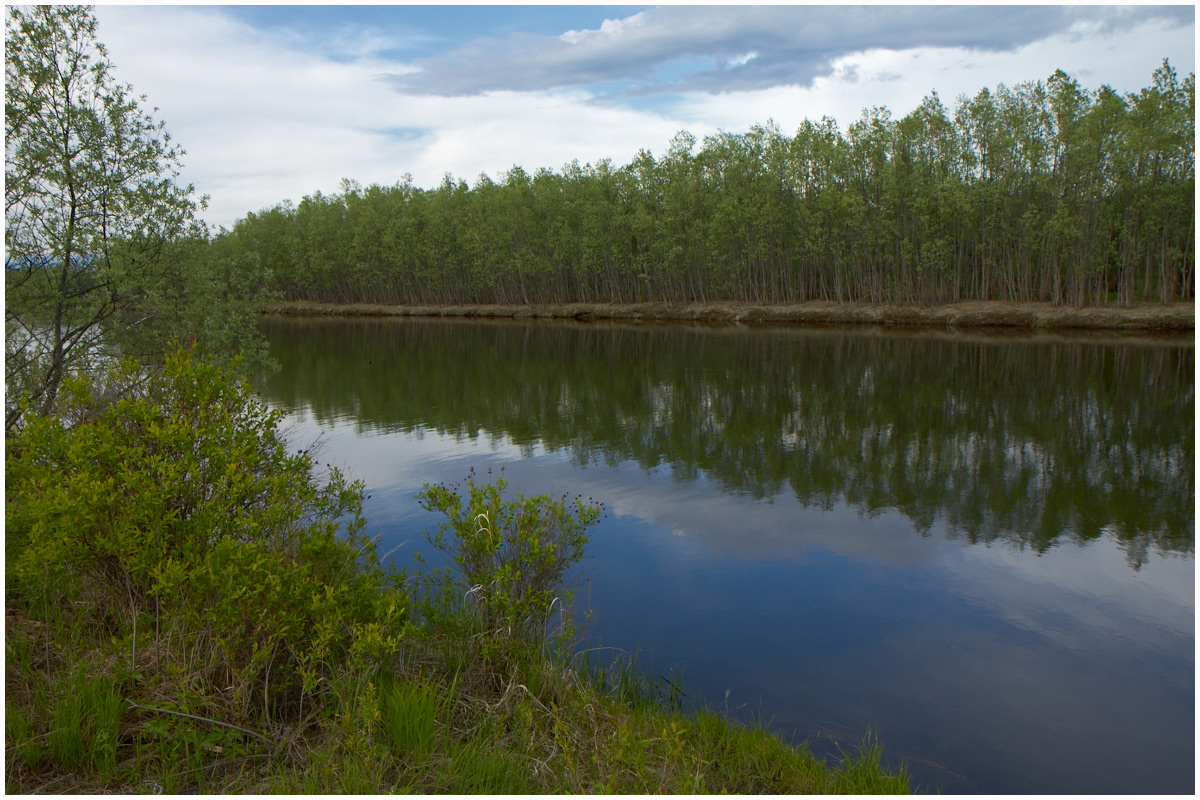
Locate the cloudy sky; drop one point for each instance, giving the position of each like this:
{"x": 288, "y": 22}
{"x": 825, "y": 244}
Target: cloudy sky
{"x": 278, "y": 102}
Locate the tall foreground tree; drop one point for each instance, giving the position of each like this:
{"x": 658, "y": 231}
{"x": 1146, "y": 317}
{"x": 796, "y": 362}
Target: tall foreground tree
{"x": 92, "y": 211}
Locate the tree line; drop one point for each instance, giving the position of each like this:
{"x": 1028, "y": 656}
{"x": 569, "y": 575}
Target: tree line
{"x": 1042, "y": 192}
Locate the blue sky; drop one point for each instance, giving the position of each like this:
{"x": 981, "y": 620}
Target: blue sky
{"x": 275, "y": 102}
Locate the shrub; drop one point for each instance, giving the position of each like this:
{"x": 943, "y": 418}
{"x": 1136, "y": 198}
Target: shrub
{"x": 167, "y": 496}
{"x": 512, "y": 554}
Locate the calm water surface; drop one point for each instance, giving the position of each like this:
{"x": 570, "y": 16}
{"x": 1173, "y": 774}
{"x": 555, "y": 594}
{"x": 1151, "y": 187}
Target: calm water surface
{"x": 980, "y": 548}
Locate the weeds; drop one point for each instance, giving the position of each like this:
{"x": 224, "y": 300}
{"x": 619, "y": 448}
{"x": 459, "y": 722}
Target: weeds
{"x": 410, "y": 716}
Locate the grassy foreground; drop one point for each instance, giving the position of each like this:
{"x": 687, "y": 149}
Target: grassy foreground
{"x": 436, "y": 719}
{"x": 192, "y": 606}
{"x": 1143, "y": 316}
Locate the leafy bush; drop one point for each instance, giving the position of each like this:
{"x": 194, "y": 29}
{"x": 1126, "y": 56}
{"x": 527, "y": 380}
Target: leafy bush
{"x": 169, "y": 497}
{"x": 512, "y": 554}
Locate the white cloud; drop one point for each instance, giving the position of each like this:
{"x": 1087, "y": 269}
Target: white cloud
{"x": 608, "y": 29}
{"x": 900, "y": 79}
{"x": 263, "y": 120}
{"x": 268, "y": 116}
{"x": 793, "y": 44}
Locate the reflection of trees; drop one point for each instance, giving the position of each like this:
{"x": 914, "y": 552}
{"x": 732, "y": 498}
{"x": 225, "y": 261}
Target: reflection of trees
{"x": 1013, "y": 439}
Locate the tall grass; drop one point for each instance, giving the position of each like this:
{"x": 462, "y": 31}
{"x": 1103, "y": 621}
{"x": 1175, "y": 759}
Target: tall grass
{"x": 410, "y": 711}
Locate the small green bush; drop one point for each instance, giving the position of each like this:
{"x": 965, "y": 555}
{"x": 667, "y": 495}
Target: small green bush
{"x": 512, "y": 554}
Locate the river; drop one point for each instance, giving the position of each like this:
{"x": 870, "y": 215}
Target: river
{"x": 979, "y": 548}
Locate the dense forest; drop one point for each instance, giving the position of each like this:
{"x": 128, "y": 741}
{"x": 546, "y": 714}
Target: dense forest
{"x": 1042, "y": 192}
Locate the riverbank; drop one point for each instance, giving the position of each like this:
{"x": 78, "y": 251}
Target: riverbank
{"x": 194, "y": 607}
{"x": 439, "y": 719}
{"x": 969, "y": 314}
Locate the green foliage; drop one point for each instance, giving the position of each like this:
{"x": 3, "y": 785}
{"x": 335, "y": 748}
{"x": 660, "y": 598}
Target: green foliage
{"x": 146, "y": 472}
{"x": 217, "y": 561}
{"x": 512, "y": 554}
{"x": 208, "y": 301}
{"x": 1044, "y": 191}
{"x": 102, "y": 246}
{"x": 90, "y": 198}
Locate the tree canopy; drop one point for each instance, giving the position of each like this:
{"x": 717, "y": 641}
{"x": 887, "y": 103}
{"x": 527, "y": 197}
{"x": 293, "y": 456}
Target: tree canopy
{"x": 1046, "y": 191}
{"x": 103, "y": 245}
{"x": 90, "y": 196}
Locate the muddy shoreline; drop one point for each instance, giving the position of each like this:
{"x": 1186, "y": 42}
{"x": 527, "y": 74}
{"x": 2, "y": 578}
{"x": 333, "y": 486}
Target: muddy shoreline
{"x": 969, "y": 314}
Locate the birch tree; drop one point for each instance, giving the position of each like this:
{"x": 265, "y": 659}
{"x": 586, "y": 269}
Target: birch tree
{"x": 91, "y": 202}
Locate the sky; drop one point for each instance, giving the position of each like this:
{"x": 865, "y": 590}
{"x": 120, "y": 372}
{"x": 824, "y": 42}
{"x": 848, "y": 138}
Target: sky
{"x": 276, "y": 103}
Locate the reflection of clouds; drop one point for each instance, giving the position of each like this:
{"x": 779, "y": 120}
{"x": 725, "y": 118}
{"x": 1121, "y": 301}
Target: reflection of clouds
{"x": 394, "y": 466}
{"x": 749, "y": 529}
{"x": 1070, "y": 642}
{"x": 1073, "y": 592}
{"x": 1069, "y": 592}
{"x": 386, "y": 459}
{"x": 1046, "y": 719}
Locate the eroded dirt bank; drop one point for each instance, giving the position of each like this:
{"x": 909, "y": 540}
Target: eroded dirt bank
{"x": 975, "y": 313}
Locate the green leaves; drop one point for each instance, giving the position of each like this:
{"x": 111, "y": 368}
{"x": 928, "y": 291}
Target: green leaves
{"x": 103, "y": 248}
{"x": 169, "y": 493}
{"x": 511, "y": 553}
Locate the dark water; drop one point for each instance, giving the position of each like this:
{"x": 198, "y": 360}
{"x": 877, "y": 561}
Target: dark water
{"x": 980, "y": 548}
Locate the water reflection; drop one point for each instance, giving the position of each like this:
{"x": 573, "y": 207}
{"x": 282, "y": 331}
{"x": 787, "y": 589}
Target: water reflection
{"x": 1019, "y": 439}
{"x": 838, "y": 527}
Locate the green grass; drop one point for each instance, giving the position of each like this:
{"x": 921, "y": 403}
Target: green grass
{"x": 421, "y": 723}
{"x": 410, "y": 713}
{"x": 475, "y": 769}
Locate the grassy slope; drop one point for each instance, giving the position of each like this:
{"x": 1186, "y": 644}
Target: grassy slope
{"x": 436, "y": 719}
